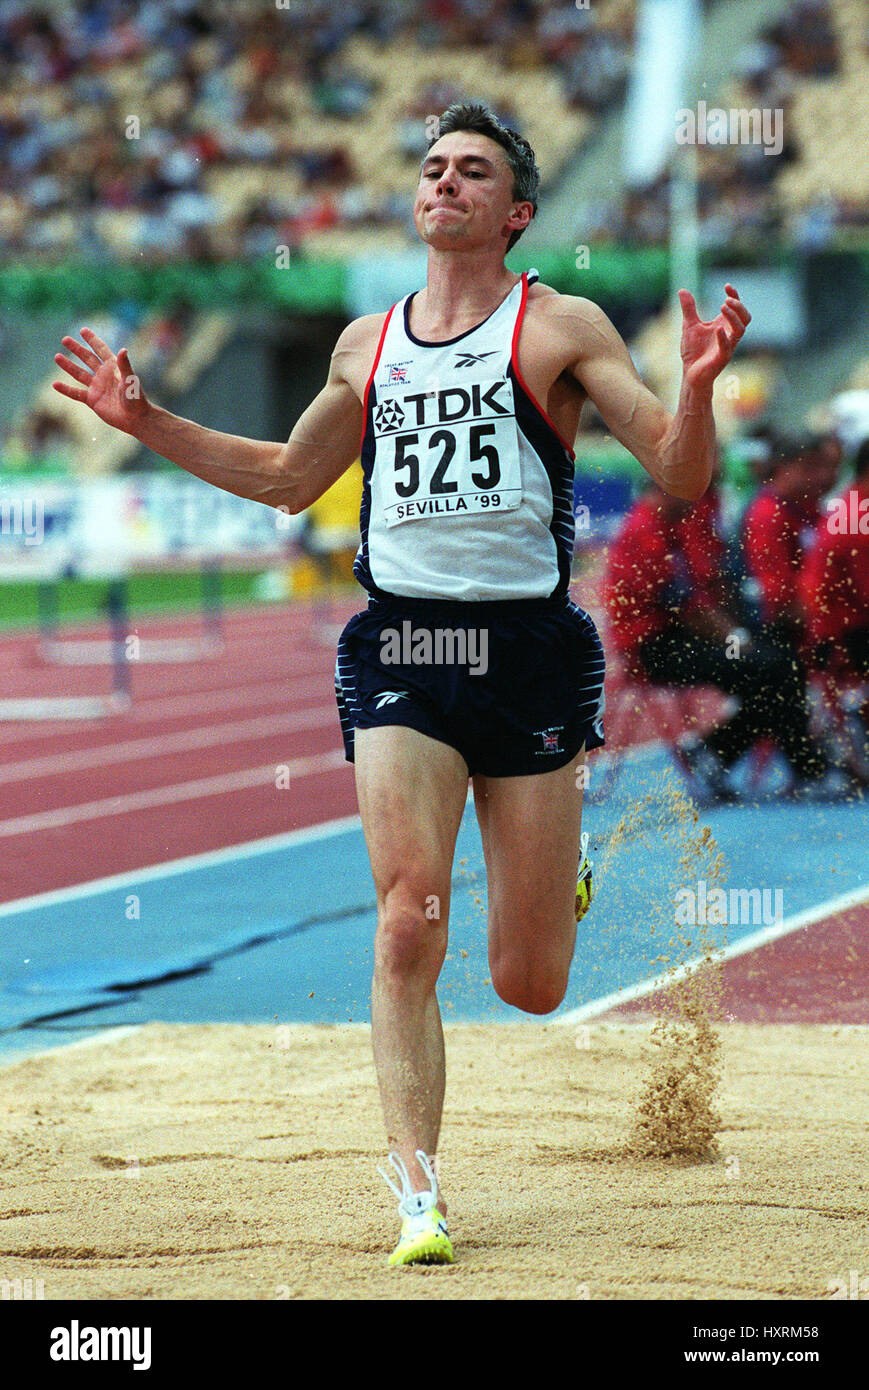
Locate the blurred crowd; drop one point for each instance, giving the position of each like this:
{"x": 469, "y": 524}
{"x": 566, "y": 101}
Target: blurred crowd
{"x": 738, "y": 197}
{"x": 41, "y": 438}
{"x": 770, "y": 613}
{"x": 219, "y": 86}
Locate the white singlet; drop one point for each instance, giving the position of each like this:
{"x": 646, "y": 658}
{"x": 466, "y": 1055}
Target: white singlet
{"x": 468, "y": 488}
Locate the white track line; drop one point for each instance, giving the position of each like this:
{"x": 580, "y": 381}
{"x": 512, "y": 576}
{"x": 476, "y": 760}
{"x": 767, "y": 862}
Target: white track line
{"x": 75, "y": 760}
{"x": 83, "y": 648}
{"x": 218, "y": 697}
{"x": 238, "y": 620}
{"x": 831, "y": 908}
{"x": 170, "y": 796}
{"x": 143, "y": 710}
{"x": 207, "y": 859}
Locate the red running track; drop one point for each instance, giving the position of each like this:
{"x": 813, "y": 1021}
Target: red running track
{"x": 819, "y": 974}
{"x": 191, "y": 766}
{"x": 816, "y": 974}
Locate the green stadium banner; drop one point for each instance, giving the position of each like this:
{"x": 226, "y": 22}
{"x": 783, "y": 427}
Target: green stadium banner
{"x": 611, "y": 273}
{"x": 315, "y": 286}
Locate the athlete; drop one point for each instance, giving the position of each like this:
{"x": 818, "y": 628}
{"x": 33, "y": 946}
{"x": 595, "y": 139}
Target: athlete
{"x": 470, "y": 660}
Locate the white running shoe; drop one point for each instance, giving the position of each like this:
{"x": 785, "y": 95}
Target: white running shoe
{"x": 424, "y": 1236}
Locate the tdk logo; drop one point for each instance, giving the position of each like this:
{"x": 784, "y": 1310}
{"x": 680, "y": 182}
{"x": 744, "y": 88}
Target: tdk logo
{"x": 482, "y": 400}
{"x": 388, "y": 416}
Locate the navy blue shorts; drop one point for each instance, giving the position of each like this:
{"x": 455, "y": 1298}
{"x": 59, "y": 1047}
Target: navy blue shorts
{"x": 516, "y": 687}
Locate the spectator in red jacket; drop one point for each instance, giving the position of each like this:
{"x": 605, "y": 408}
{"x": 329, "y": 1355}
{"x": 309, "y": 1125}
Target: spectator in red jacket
{"x": 673, "y": 622}
{"x": 835, "y": 582}
{"x": 779, "y": 528}
{"x": 660, "y": 567}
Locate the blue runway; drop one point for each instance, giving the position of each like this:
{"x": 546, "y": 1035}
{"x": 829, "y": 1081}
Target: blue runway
{"x": 281, "y": 931}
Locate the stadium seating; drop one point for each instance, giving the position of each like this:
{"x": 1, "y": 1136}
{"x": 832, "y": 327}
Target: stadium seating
{"x": 162, "y": 134}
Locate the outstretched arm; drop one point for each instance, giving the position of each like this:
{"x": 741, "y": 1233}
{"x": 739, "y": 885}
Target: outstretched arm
{"x": 677, "y": 450}
{"x": 323, "y": 444}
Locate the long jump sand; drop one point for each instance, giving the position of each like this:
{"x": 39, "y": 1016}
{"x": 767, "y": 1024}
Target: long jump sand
{"x": 229, "y": 1162}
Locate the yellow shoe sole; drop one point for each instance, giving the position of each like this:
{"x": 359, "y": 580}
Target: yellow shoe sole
{"x": 431, "y": 1247}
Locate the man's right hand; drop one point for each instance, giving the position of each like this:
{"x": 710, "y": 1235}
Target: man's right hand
{"x": 108, "y": 383}
{"x": 323, "y": 444}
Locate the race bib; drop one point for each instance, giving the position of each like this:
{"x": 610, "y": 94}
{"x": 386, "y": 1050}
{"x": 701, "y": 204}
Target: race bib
{"x": 448, "y": 452}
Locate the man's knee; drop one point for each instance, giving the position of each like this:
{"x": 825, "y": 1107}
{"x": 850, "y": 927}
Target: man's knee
{"x": 410, "y": 942}
{"x": 530, "y": 990}
{"x": 530, "y": 981}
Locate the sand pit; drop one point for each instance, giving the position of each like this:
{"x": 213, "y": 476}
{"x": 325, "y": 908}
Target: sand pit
{"x": 229, "y": 1162}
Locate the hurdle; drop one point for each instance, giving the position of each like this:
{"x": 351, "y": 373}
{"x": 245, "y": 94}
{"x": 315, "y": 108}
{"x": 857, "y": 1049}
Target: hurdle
{"x": 58, "y": 651}
{"x": 114, "y": 651}
{"x": 115, "y": 701}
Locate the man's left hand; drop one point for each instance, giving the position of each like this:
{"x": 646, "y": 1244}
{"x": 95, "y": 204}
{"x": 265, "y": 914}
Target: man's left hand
{"x": 708, "y": 347}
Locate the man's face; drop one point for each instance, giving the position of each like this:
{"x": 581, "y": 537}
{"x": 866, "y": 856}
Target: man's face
{"x": 465, "y": 194}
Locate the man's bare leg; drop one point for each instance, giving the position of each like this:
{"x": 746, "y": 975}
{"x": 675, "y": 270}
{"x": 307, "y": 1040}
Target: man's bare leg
{"x": 412, "y": 792}
{"x": 531, "y": 827}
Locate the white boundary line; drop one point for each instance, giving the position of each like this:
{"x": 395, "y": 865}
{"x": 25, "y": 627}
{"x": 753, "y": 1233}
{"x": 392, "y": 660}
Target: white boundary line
{"x": 102, "y": 652}
{"x": 34, "y": 709}
{"x": 207, "y": 859}
{"x": 193, "y": 705}
{"x": 830, "y": 908}
{"x": 123, "y": 1030}
{"x": 121, "y": 805}
{"x": 158, "y": 745}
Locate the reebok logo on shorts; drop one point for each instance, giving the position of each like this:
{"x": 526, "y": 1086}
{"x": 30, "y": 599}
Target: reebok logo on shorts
{"x": 389, "y": 697}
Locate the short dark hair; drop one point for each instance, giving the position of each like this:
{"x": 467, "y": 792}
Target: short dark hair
{"x": 481, "y": 120}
